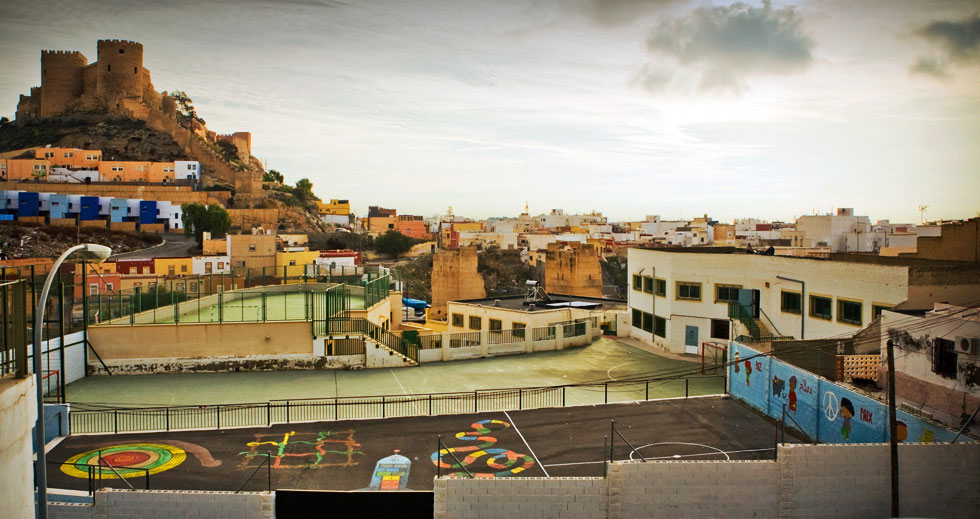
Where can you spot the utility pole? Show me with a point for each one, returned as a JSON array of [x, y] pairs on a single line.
[[892, 427]]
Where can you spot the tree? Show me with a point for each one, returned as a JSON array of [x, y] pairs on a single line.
[[186, 106], [393, 243], [304, 191], [273, 176], [199, 219]]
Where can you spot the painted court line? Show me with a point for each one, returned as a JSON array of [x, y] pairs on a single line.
[[660, 457], [405, 391], [514, 425]]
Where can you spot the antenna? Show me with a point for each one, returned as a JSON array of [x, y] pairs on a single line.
[[922, 213]]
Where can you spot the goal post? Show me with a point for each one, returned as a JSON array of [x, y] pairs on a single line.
[[714, 355]]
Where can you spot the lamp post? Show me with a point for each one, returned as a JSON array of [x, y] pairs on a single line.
[[99, 253]]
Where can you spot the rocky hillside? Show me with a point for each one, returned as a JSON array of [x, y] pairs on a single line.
[[119, 139], [37, 241]]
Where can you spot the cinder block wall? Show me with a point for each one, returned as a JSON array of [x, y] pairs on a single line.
[[166, 504], [818, 481], [520, 497]]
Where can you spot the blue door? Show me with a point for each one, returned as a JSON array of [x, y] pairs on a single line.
[[691, 339]]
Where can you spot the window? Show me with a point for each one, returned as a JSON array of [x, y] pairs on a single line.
[[251, 247], [221, 265], [821, 307], [647, 322], [519, 330], [719, 329], [791, 302], [877, 309], [183, 268], [241, 264], [661, 288], [659, 326], [180, 286], [207, 268], [193, 287], [496, 325], [637, 282], [944, 358], [458, 320], [93, 289], [141, 168], [137, 284], [108, 287], [475, 322], [726, 293], [689, 291], [292, 263], [170, 270], [637, 318], [648, 284], [849, 312]]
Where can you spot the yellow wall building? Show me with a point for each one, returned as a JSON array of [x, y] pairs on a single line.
[[173, 266], [293, 263], [334, 207]]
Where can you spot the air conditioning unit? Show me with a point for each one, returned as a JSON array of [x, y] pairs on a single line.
[[968, 345]]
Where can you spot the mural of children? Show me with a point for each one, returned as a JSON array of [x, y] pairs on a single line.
[[737, 362], [748, 373], [901, 431], [846, 413], [792, 393]]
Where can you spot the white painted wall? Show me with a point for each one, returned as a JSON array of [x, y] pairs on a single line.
[[18, 413]]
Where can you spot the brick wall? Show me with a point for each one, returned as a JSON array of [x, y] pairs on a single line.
[[937, 480]]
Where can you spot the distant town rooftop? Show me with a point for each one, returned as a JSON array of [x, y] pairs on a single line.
[[554, 302], [851, 257]]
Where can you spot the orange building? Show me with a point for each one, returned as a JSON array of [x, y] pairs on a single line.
[[72, 158], [24, 169], [411, 225], [136, 171]]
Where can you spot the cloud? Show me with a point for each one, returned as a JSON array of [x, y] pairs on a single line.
[[727, 44], [954, 42], [616, 12]]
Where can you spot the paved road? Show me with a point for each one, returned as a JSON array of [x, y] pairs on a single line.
[[343, 455], [176, 245]]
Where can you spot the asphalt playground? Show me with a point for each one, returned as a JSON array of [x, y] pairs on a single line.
[[402, 453]]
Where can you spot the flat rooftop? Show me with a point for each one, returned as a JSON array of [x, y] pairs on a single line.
[[554, 302], [849, 257]]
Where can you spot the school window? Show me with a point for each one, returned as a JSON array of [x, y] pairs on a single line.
[[637, 282], [877, 309], [821, 307], [475, 322], [193, 287], [944, 358], [458, 320], [108, 287], [137, 284], [647, 322], [180, 286], [241, 264], [292, 263], [659, 326], [496, 325], [141, 169], [688, 291], [791, 302], [726, 293], [221, 265], [637, 318], [661, 287], [719, 329], [849, 312], [93, 289], [519, 330], [648, 284]]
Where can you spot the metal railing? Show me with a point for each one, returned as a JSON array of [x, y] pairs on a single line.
[[545, 333], [93, 419], [369, 330], [744, 314]]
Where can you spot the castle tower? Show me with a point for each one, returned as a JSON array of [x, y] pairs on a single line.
[[120, 68], [61, 80], [572, 268], [454, 277]]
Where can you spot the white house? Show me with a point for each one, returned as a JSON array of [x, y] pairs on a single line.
[[187, 170]]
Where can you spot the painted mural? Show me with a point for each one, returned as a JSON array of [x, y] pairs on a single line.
[[125, 460], [825, 411], [502, 462], [294, 450]]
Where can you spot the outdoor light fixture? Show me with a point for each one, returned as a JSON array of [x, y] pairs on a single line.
[[98, 254]]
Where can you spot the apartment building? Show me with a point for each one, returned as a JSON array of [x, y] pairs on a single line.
[[682, 297]]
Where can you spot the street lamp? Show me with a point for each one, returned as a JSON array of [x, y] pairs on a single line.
[[98, 253]]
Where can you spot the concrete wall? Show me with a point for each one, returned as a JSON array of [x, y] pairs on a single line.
[[818, 481], [202, 340], [17, 415], [166, 504]]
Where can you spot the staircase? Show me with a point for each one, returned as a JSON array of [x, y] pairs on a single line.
[[372, 333]]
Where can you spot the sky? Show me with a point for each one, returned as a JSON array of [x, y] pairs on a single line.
[[628, 107]]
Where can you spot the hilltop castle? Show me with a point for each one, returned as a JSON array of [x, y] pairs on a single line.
[[119, 85]]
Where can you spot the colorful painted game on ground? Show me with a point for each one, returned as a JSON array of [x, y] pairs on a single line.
[[303, 450], [505, 462], [126, 460], [391, 473]]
